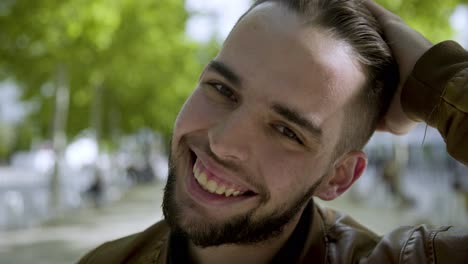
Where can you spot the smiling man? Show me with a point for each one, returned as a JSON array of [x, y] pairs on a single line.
[[278, 117]]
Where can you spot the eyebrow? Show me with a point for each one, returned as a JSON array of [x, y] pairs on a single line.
[[225, 71], [293, 116]]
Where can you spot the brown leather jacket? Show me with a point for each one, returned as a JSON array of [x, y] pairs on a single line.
[[322, 236], [437, 93]]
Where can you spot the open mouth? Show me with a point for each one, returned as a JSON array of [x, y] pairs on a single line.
[[214, 187]]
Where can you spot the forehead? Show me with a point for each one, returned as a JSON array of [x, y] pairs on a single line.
[[272, 48]]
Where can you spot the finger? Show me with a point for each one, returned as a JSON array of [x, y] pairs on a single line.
[[379, 11], [401, 128], [381, 125]]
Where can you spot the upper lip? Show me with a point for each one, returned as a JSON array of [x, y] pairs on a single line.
[[220, 172]]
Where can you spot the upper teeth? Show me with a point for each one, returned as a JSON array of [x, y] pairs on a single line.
[[212, 186]]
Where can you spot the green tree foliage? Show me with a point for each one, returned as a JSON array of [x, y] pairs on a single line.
[[126, 64], [429, 17]]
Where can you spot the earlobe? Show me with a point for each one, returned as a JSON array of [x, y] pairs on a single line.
[[344, 173]]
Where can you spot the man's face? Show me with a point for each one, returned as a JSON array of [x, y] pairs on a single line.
[[256, 136]]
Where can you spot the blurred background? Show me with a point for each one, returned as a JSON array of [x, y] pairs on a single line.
[[89, 91]]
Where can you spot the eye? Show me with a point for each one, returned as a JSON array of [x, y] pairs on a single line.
[[223, 90], [288, 133]]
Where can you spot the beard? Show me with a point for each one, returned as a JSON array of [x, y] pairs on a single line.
[[239, 230]]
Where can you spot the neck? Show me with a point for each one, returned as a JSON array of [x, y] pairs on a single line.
[[262, 252]]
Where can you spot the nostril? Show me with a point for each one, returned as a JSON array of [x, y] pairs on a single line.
[[229, 144]]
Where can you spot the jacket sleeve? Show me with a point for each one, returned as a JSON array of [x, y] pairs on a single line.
[[451, 246], [437, 93], [421, 244]]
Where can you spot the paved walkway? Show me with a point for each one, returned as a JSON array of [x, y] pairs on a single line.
[[66, 239]]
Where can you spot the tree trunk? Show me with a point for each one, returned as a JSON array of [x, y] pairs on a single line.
[[96, 111], [59, 140], [98, 184]]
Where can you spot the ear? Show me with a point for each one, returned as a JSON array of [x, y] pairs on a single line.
[[343, 174]]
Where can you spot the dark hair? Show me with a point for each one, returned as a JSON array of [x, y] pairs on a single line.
[[352, 22]]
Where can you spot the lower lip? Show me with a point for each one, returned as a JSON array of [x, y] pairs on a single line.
[[204, 197]]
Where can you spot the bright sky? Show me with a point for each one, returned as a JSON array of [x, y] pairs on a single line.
[[217, 16], [459, 21], [11, 111]]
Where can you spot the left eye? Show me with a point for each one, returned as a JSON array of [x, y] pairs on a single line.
[[287, 132], [224, 91]]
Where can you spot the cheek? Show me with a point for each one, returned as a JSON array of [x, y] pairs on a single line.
[[195, 114], [291, 174]]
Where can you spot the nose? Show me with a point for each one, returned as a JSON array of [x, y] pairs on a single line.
[[231, 138]]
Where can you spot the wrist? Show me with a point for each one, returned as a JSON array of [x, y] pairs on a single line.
[[422, 91]]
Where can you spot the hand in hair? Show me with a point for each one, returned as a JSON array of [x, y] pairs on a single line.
[[407, 46]]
